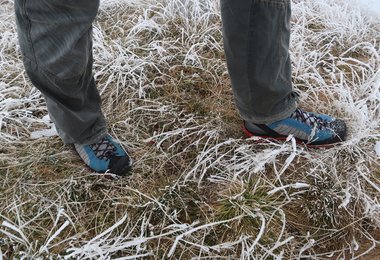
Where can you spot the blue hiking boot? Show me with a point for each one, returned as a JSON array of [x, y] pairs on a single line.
[[107, 155], [308, 128]]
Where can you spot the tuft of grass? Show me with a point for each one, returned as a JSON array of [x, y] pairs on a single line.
[[262, 211]]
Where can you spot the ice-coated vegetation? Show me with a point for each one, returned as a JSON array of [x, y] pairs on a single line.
[[199, 189]]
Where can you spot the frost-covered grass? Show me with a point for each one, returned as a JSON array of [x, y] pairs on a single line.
[[199, 189]]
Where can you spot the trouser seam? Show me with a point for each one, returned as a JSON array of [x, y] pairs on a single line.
[[249, 48], [28, 31]]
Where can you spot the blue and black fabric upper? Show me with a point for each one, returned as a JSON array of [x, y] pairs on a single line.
[[107, 155], [306, 127]]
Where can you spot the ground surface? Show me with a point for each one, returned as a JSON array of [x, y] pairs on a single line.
[[199, 189]]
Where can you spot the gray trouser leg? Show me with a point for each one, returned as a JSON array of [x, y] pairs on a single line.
[[55, 37], [256, 39]]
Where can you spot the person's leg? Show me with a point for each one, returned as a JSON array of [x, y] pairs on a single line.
[[56, 43], [55, 37], [256, 41]]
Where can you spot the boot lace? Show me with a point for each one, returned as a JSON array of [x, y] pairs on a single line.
[[310, 119], [104, 149]]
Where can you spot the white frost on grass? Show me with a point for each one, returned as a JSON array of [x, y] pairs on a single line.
[[377, 148], [44, 133], [49, 132], [294, 186], [370, 6]]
